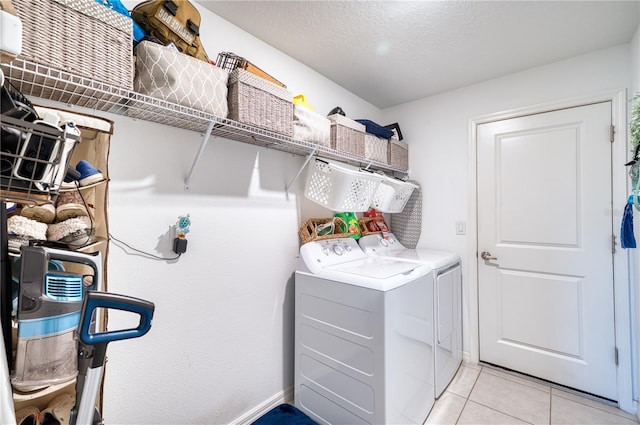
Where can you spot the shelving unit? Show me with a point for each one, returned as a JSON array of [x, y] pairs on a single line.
[[93, 147], [41, 81]]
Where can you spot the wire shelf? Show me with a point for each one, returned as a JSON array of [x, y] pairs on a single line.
[[41, 81]]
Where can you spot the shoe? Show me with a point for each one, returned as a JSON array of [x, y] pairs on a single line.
[[27, 416], [88, 174], [75, 232], [45, 213], [70, 204], [58, 411], [21, 230]]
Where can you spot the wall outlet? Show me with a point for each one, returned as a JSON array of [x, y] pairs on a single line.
[[461, 227]]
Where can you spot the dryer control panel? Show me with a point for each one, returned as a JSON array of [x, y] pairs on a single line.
[[329, 252], [381, 244]]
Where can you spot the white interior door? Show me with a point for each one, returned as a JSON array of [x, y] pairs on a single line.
[[546, 302]]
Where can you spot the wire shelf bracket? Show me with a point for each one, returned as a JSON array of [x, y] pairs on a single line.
[[306, 161], [203, 144]]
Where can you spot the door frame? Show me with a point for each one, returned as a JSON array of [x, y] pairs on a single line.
[[621, 260]]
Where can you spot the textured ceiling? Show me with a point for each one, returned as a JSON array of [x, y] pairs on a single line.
[[392, 52]]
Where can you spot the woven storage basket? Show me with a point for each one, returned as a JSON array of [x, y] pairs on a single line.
[[392, 195], [376, 148], [339, 188], [347, 135], [398, 154], [78, 36], [308, 233], [366, 221], [258, 102], [163, 73]]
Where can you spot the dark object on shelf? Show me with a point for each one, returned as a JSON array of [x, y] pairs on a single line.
[[16, 105], [376, 129], [337, 110], [230, 61], [395, 127], [172, 22]]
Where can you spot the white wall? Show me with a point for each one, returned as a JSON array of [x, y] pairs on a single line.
[[437, 131], [222, 336]]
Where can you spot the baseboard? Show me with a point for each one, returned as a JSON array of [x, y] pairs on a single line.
[[285, 396]]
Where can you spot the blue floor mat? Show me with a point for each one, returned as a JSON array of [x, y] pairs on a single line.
[[284, 414]]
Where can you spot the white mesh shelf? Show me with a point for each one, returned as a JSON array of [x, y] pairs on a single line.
[[43, 82]]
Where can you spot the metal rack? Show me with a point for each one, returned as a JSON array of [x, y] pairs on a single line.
[[41, 81]]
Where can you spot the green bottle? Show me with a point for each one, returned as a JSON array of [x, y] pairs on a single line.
[[353, 228]]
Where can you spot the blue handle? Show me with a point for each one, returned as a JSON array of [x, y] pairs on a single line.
[[95, 299]]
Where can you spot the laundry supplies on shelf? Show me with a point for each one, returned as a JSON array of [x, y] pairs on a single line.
[[351, 226]]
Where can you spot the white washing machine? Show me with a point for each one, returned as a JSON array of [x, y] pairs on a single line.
[[363, 336], [447, 299]]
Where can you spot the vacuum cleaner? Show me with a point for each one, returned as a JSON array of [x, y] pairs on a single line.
[[49, 306], [93, 348]]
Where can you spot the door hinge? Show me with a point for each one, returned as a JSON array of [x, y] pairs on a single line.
[[612, 132], [613, 244], [616, 355]]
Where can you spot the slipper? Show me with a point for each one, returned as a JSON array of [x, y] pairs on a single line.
[[27, 416], [58, 412]]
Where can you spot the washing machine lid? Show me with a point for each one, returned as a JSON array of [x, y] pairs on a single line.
[[342, 260], [387, 245], [376, 268]]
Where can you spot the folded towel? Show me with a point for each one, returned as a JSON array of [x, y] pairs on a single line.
[[376, 129], [627, 237]]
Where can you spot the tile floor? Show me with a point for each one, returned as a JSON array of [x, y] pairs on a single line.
[[482, 395]]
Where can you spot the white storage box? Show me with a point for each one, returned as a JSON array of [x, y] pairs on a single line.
[[310, 126], [165, 74], [392, 195], [339, 188], [375, 148], [347, 135]]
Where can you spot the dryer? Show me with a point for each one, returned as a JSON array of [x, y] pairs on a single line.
[[363, 336], [447, 299]]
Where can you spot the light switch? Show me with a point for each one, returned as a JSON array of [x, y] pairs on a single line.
[[461, 227]]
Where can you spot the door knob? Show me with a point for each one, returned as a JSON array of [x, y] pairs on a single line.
[[486, 255]]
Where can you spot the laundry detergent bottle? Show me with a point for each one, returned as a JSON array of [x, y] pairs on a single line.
[[353, 228]]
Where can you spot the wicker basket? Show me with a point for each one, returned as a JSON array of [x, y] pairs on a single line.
[[365, 222], [257, 102], [376, 148], [347, 135], [398, 154], [308, 231], [82, 37]]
